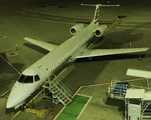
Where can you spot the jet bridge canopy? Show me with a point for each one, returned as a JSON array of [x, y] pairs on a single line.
[[138, 73], [135, 93]]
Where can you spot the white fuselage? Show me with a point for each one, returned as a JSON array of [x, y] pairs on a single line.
[[66, 51], [47, 65]]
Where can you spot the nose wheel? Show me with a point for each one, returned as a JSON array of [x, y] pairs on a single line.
[[23, 107]]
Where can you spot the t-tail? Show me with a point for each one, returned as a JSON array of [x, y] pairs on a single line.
[[96, 17]]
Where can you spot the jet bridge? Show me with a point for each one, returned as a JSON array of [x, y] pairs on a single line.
[[146, 100], [137, 98]]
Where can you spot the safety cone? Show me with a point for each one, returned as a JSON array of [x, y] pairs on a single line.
[[130, 45], [139, 57], [17, 47]]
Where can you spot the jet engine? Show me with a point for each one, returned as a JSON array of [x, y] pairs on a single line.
[[76, 28], [100, 30]]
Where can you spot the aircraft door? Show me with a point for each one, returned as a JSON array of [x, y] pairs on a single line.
[[43, 73]]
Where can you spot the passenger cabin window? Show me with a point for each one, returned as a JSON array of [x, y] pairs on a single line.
[[37, 77], [25, 79]]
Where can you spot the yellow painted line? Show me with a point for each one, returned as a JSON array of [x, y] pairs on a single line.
[[12, 54], [106, 31], [15, 115], [10, 64], [38, 94], [39, 113], [5, 93], [34, 97], [63, 71], [112, 25]]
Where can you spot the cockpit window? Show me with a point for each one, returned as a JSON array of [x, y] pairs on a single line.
[[25, 79], [37, 77]]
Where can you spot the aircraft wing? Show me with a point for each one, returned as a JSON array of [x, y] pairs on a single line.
[[42, 44], [103, 52]]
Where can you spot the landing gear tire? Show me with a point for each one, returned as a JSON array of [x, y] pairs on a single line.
[[23, 107]]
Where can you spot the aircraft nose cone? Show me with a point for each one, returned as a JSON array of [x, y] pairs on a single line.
[[20, 92]]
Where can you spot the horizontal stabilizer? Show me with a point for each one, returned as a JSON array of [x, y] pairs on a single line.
[[42, 44], [103, 52]]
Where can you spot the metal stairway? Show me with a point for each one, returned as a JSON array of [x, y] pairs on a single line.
[[146, 105], [60, 93], [117, 89]]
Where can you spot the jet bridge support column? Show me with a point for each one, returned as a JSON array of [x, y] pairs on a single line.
[[146, 106], [133, 104]]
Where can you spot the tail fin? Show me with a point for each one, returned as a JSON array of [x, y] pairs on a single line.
[[95, 20], [96, 15]]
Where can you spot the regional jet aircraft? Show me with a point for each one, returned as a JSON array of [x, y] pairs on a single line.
[[73, 48]]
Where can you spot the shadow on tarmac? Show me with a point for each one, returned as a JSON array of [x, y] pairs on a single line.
[[116, 102], [36, 48]]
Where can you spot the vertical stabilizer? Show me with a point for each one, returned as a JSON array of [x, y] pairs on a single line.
[[95, 20], [96, 17]]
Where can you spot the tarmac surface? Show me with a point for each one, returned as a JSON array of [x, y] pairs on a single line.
[[51, 23]]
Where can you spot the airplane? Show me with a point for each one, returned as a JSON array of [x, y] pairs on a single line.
[[75, 47]]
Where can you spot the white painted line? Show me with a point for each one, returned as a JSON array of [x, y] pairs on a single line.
[[17, 11], [134, 21], [125, 24], [59, 113], [97, 84], [29, 10], [23, 13], [59, 15], [49, 20], [54, 18], [133, 28], [84, 108], [107, 19], [82, 21], [35, 15]]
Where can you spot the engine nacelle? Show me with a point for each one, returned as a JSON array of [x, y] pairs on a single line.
[[100, 30], [76, 28]]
